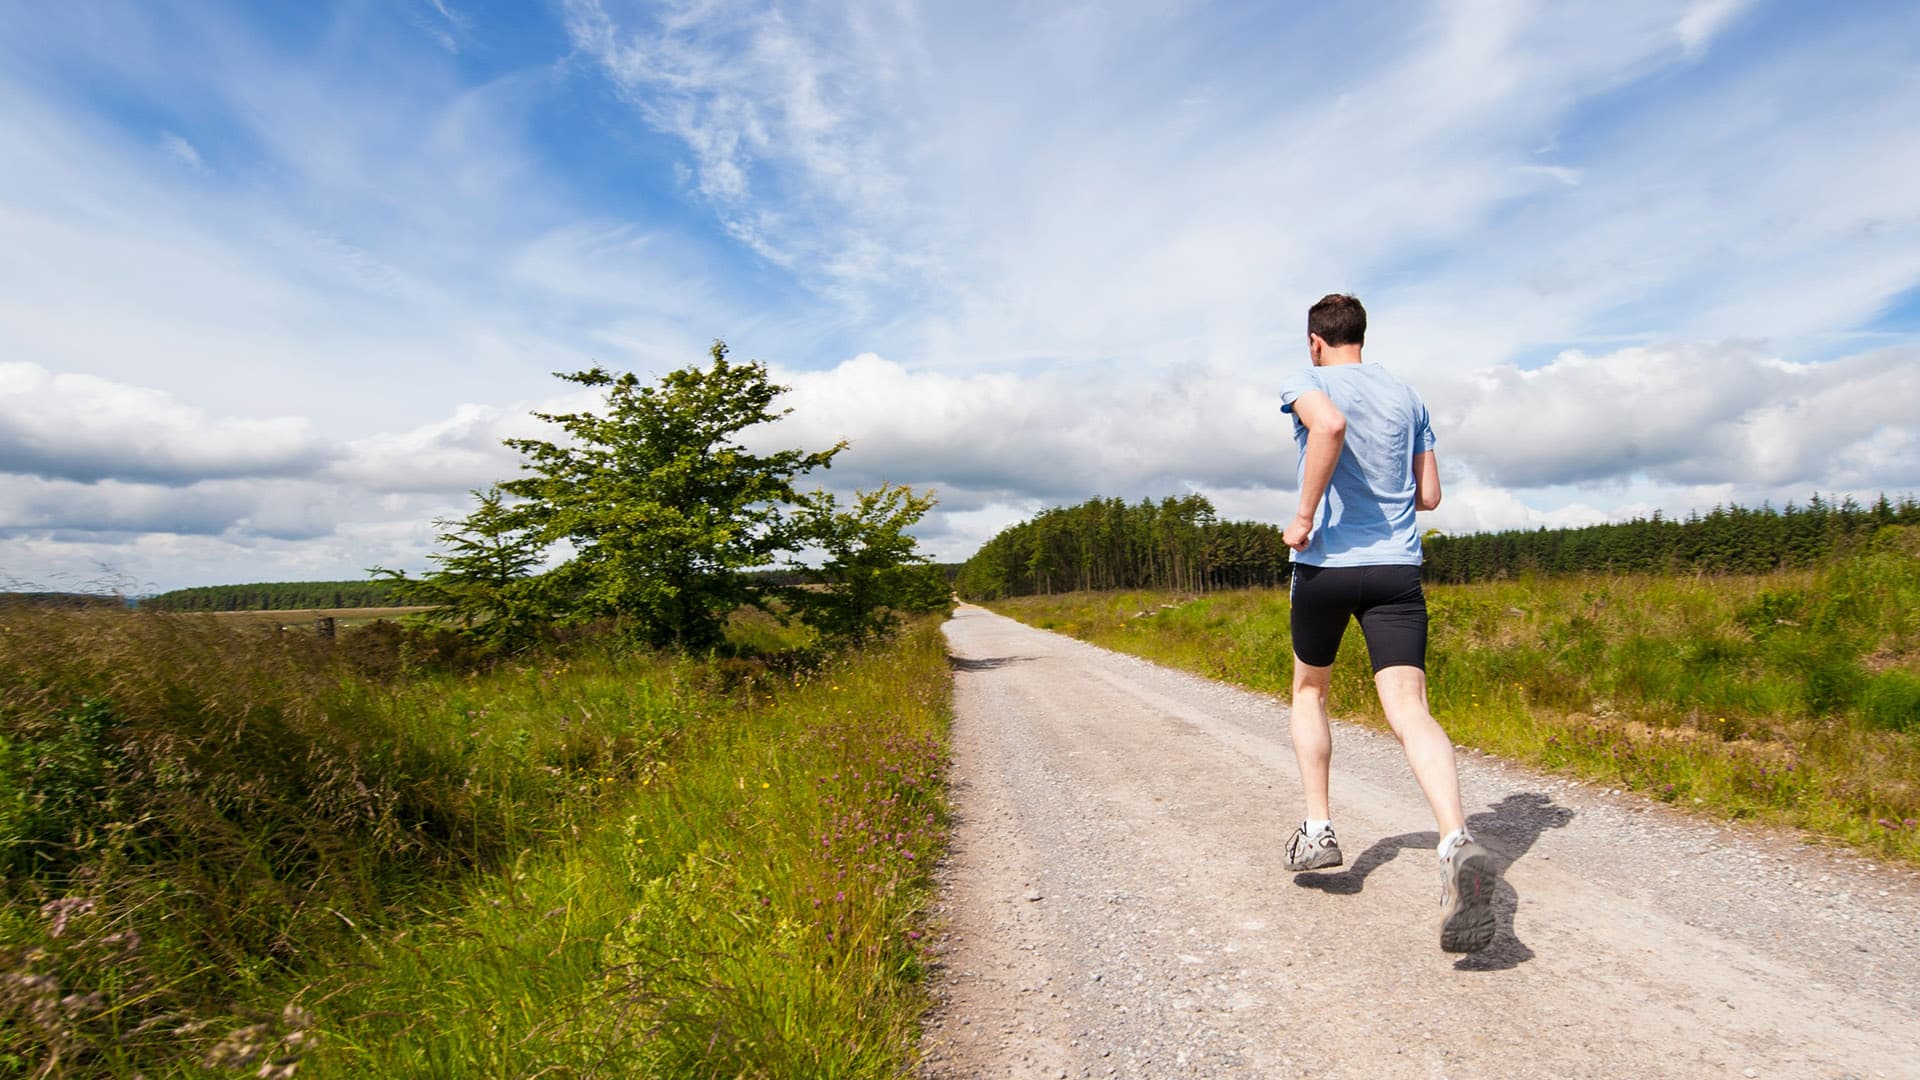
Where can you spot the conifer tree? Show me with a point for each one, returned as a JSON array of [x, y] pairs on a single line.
[[483, 579]]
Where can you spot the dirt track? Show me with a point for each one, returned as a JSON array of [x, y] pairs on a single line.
[[1115, 906]]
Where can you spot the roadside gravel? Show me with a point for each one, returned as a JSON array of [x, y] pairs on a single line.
[[1115, 905]]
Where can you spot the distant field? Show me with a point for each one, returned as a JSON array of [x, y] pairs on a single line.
[[342, 617]]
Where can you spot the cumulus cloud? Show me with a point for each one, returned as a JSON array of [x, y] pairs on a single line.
[[1687, 416], [85, 428], [460, 453], [1063, 433], [1582, 439], [114, 511]]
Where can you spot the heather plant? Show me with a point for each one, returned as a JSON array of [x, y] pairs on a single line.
[[1792, 697]]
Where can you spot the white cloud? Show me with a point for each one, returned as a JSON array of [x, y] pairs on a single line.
[[1689, 416], [446, 26], [1704, 20], [1569, 177], [115, 512], [1059, 434], [778, 108], [461, 453], [182, 151], [81, 427]]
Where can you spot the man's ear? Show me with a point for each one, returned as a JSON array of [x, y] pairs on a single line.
[[1315, 343]]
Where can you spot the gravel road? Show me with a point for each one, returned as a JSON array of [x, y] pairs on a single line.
[[1115, 905]]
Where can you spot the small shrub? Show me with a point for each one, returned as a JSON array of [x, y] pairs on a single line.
[[1831, 680], [385, 649], [1774, 608]]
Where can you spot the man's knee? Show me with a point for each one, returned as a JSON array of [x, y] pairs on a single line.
[[1311, 680], [1402, 688]]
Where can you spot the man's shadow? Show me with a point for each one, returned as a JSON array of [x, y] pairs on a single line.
[[1508, 830]]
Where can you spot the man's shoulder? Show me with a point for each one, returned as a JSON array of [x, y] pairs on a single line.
[[1301, 377], [1299, 381]]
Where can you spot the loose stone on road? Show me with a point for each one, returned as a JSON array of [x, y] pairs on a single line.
[[1115, 905]]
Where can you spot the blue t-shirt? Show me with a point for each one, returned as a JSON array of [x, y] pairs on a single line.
[[1366, 516]]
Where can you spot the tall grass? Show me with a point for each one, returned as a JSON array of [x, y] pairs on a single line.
[[234, 849], [1790, 697], [751, 909]]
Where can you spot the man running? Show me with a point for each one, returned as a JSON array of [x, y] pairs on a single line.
[[1366, 465]]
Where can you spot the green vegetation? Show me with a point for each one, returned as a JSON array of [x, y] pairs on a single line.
[[640, 814], [274, 596], [227, 847], [1791, 697], [665, 515], [871, 571], [1177, 544]]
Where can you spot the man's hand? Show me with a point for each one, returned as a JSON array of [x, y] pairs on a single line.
[[1298, 532]]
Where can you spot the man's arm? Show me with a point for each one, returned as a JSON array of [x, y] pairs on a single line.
[[1426, 481], [1326, 434]]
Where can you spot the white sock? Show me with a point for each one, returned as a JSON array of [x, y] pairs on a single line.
[[1316, 826], [1454, 839]]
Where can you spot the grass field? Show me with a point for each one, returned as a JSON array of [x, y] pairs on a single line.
[[304, 619], [1792, 698], [232, 850]]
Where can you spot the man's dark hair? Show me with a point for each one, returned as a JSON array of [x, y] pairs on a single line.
[[1339, 320]]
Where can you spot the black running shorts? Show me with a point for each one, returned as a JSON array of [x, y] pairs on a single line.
[[1386, 599]]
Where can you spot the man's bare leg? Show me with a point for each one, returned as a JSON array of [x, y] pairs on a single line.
[[1467, 871], [1403, 695], [1312, 737]]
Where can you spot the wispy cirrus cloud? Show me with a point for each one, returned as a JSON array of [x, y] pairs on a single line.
[[1080, 185], [1703, 20], [787, 117]]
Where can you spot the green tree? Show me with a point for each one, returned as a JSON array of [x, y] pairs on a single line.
[[484, 580], [662, 505], [873, 569]]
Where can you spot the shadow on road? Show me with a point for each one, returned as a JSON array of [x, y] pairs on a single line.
[[986, 663], [1509, 830]]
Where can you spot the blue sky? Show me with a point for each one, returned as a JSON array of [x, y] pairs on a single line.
[[276, 279]]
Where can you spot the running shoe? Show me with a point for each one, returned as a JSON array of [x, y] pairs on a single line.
[[1306, 852], [1467, 878]]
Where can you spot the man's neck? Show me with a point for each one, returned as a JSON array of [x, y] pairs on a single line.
[[1338, 355]]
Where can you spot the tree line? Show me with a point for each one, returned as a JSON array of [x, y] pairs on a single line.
[[274, 596], [1175, 543], [1178, 544], [1725, 540]]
